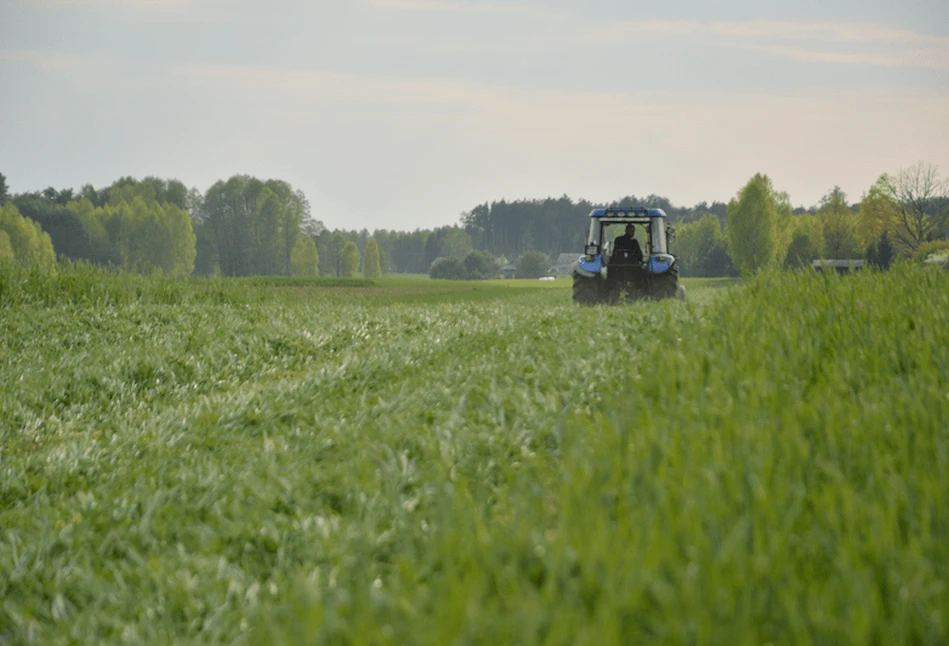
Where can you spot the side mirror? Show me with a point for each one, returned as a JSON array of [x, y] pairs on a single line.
[[590, 250], [670, 235]]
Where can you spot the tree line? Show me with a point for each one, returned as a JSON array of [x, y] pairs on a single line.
[[902, 216], [246, 226]]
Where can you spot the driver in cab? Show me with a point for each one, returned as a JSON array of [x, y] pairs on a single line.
[[626, 247]]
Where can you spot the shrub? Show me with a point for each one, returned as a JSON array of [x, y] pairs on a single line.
[[447, 268], [480, 265], [477, 265], [533, 264], [349, 261]]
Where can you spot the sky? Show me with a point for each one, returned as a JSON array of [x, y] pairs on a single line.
[[403, 114]]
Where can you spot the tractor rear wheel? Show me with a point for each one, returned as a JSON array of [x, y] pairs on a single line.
[[666, 285], [586, 291]]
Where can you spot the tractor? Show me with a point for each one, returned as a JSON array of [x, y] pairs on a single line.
[[610, 272]]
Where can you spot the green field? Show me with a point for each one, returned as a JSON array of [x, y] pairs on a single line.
[[405, 461]]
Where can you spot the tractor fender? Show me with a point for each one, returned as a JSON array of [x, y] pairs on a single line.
[[589, 268], [660, 263]]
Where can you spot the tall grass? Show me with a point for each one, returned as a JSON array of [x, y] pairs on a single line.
[[765, 466], [81, 283]]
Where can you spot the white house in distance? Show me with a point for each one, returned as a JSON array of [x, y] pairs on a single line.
[[564, 264]]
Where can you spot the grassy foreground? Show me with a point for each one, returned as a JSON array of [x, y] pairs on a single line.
[[412, 463]]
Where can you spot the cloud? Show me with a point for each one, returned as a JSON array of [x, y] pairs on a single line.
[[190, 11], [54, 62], [825, 42], [528, 141], [109, 4], [842, 43], [441, 6], [332, 87]]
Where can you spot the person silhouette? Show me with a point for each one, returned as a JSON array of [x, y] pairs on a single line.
[[627, 246]]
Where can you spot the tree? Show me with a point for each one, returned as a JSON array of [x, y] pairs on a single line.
[[29, 244], [838, 225], [150, 189], [480, 265], [532, 264], [6, 248], [254, 224], [448, 268], [337, 244], [805, 245], [4, 194], [70, 236], [383, 262], [880, 253], [138, 235], [477, 265], [305, 259], [182, 241], [101, 250], [921, 205], [349, 260], [758, 226], [878, 213], [701, 248], [292, 212], [455, 243], [371, 267], [433, 249], [408, 252]]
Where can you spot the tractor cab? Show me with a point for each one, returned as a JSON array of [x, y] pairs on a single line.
[[606, 225], [611, 264]]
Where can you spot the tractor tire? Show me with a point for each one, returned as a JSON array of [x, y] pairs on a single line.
[[666, 285], [586, 291]]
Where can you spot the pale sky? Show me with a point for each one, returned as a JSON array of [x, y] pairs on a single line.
[[401, 114]]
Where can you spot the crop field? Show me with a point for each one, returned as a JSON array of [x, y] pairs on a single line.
[[405, 461]]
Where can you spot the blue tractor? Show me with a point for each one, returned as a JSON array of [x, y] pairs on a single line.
[[636, 265]]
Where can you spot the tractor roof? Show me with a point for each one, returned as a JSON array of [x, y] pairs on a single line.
[[627, 212]]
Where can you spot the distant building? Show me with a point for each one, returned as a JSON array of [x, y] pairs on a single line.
[[840, 266], [564, 264], [509, 270]]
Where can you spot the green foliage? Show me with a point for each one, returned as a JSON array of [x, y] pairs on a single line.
[[480, 265], [91, 286], [349, 260], [332, 468], [532, 264], [555, 225], [758, 226], [701, 249], [305, 259], [839, 227], [878, 212], [922, 205], [448, 269], [6, 247], [4, 194], [881, 252], [932, 249], [149, 189], [253, 225], [28, 244], [384, 266], [371, 262], [138, 236], [477, 265], [71, 236], [330, 245], [805, 246]]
